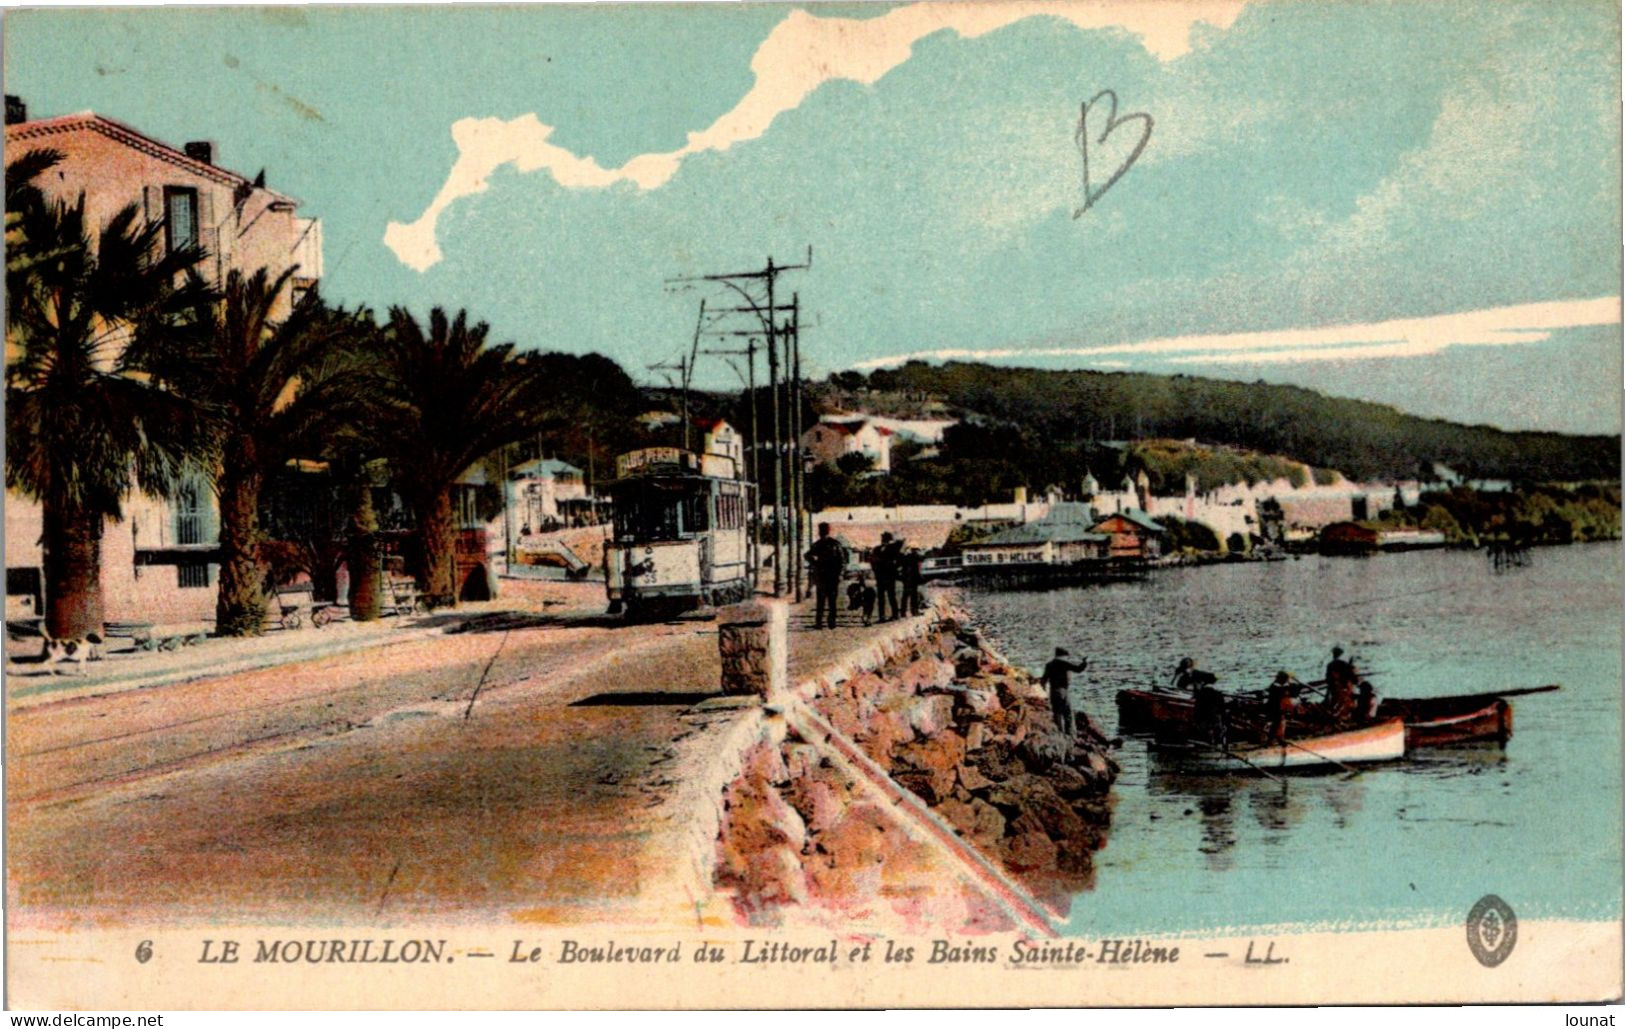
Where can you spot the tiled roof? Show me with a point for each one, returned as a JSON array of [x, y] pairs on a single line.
[[545, 466], [1042, 532], [42, 130], [1139, 518]]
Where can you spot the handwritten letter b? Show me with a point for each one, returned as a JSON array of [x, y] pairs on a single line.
[[1095, 126]]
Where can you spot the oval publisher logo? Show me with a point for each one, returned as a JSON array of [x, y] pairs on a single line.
[[1492, 930]]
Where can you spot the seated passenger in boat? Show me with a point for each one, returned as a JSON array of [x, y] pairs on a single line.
[[1278, 705], [1365, 701], [1340, 680]]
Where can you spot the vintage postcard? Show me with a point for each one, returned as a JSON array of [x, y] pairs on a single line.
[[925, 504]]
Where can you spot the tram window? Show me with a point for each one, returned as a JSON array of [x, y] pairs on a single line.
[[695, 512], [728, 512], [647, 517]]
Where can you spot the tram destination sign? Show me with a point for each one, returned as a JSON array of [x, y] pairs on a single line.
[[653, 459]]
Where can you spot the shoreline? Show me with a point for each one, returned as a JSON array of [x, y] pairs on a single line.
[[920, 784]]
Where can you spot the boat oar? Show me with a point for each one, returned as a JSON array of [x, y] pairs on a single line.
[[1226, 752], [1525, 691], [1350, 769], [1312, 753]]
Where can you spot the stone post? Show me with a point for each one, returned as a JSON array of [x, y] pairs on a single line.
[[753, 642]]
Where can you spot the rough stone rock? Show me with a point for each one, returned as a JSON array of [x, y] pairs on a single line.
[[776, 876], [980, 821], [929, 767], [972, 704], [975, 735], [884, 730], [1069, 782], [1031, 796], [930, 714], [967, 662], [1055, 815], [765, 763], [800, 760], [1102, 768], [759, 821], [1076, 859], [971, 778], [1012, 725], [1029, 852], [997, 760], [926, 674], [843, 717], [863, 837], [1041, 751], [865, 687], [820, 802]]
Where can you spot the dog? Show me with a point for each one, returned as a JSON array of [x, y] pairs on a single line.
[[79, 650]]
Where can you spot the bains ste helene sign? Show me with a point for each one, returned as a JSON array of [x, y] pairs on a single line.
[[1154, 350]]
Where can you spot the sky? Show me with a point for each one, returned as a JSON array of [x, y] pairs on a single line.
[[1411, 203]]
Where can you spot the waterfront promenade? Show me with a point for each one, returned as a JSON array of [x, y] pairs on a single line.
[[525, 768]]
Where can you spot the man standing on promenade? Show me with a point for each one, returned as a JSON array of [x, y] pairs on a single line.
[[1058, 677], [826, 560], [911, 571], [885, 560]]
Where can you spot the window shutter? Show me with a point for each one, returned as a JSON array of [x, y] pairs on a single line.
[[209, 235]]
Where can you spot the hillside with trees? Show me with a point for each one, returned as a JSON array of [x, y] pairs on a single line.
[[1039, 417]]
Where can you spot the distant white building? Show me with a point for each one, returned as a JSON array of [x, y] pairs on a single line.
[[834, 437], [546, 492]]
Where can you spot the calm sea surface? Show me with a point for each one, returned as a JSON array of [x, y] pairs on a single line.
[[1413, 843]]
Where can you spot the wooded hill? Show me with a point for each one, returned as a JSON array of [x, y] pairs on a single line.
[[1041, 410]]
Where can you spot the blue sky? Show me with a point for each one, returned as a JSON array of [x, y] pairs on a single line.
[[1411, 203]]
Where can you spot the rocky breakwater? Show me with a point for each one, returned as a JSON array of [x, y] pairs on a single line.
[[945, 717]]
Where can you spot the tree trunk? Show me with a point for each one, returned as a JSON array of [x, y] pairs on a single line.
[[73, 571], [363, 556], [239, 608], [437, 532]]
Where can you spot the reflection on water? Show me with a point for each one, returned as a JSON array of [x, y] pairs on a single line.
[[1412, 841]]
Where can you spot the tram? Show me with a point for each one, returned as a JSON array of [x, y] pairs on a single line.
[[681, 536]]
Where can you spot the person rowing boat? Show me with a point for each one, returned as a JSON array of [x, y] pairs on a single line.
[[1188, 678]]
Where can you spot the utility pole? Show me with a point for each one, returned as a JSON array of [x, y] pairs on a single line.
[[748, 380], [798, 470], [755, 287], [778, 467], [680, 383]]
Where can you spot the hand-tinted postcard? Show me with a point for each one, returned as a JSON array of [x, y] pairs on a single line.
[[1016, 504]]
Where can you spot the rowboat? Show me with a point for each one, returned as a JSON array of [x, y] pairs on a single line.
[[1443, 721], [1379, 741], [1429, 721], [1144, 711]]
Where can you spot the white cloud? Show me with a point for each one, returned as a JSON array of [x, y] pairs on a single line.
[[1398, 338], [803, 52]]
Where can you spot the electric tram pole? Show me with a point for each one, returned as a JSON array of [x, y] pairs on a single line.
[[786, 416]]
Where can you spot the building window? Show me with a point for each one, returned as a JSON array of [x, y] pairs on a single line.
[[180, 217], [191, 514], [192, 576]]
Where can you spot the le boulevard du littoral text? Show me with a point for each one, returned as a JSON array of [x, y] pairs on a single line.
[[373, 950]]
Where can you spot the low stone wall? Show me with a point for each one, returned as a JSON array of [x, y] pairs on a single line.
[[949, 720]]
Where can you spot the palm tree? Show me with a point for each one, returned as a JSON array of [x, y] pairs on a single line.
[[457, 400], [83, 421], [270, 391], [23, 195]]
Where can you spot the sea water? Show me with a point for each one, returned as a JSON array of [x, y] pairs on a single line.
[[1412, 843]]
